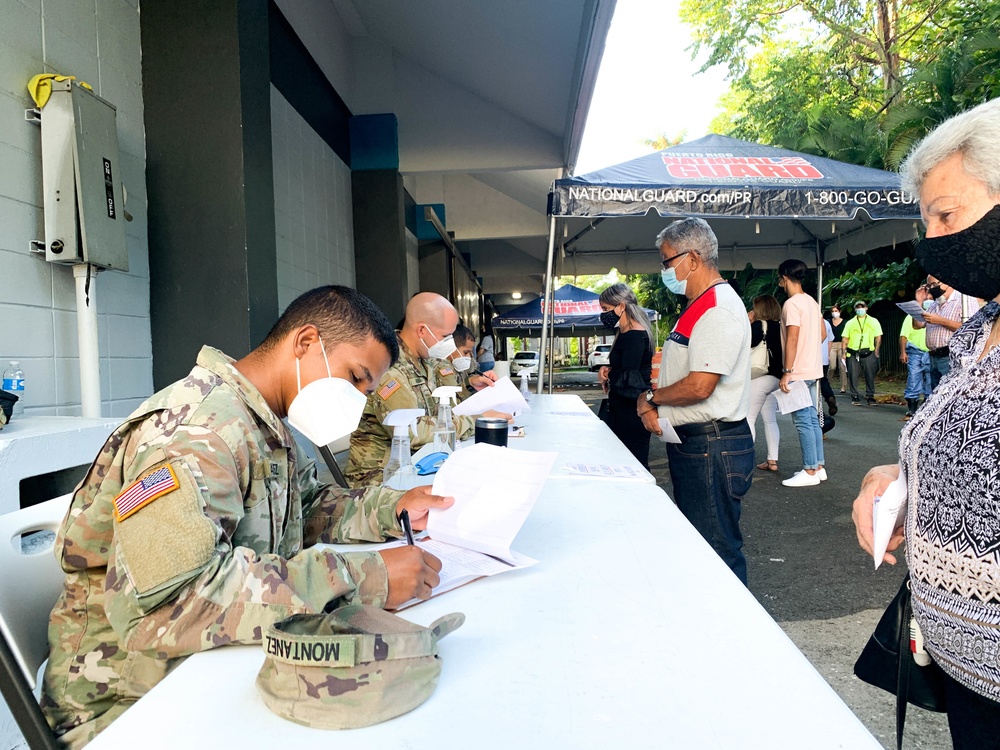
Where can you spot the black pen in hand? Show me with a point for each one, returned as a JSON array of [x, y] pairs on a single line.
[[404, 521]]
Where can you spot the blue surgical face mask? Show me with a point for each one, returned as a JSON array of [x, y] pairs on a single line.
[[672, 283], [928, 304]]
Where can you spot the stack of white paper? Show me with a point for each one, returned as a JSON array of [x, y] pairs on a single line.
[[669, 434], [889, 514], [502, 396], [912, 308], [458, 565], [798, 397], [494, 489]]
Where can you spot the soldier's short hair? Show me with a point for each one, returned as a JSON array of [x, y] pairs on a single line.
[[463, 335], [342, 315]]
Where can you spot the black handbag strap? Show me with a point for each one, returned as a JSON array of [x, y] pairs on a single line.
[[905, 661]]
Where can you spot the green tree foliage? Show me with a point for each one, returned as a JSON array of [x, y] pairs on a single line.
[[965, 72], [591, 282], [754, 282], [893, 282], [869, 35], [761, 105], [859, 81]]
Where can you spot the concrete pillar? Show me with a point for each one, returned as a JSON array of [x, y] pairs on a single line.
[[212, 257], [379, 214]]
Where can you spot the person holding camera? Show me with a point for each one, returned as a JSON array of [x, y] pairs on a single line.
[[862, 338]]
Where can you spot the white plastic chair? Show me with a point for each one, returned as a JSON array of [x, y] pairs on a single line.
[[30, 584]]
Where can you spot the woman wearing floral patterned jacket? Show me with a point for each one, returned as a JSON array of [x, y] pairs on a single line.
[[950, 450]]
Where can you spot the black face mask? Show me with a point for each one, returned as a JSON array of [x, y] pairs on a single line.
[[968, 260], [609, 319], [935, 291]]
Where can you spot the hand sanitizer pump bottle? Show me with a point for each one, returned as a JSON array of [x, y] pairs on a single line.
[[399, 472], [444, 425], [525, 389]]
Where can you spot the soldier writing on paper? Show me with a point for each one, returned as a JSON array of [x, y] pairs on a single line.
[[426, 340], [194, 527]]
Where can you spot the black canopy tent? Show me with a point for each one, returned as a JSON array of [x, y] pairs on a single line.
[[764, 204]]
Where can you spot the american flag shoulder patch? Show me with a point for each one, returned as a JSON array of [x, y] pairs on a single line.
[[446, 371], [142, 492], [388, 389]]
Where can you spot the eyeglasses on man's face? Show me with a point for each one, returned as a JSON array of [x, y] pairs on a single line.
[[666, 262]]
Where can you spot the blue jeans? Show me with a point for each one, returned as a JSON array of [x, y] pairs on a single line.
[[918, 373], [806, 422], [940, 366], [711, 474]]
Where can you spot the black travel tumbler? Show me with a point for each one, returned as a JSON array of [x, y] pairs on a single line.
[[492, 430]]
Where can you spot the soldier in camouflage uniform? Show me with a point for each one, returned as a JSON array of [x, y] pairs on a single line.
[[468, 378], [194, 526], [430, 320]]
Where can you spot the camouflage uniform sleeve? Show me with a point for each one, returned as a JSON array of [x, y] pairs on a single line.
[[467, 389], [422, 432], [176, 584], [371, 443], [333, 515], [362, 515]]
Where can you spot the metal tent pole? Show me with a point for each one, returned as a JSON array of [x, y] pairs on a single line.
[[819, 277], [552, 345], [819, 301], [547, 304]]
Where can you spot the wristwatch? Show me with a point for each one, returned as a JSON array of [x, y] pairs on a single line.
[[649, 396], [786, 371]]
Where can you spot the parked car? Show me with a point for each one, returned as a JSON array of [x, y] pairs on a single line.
[[524, 361], [599, 357]]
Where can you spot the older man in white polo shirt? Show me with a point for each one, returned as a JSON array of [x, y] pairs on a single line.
[[704, 391]]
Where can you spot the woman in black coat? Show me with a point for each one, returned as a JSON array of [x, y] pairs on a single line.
[[627, 375]]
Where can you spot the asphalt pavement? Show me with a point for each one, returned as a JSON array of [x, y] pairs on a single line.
[[804, 563]]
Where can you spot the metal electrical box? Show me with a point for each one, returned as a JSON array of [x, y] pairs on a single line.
[[81, 179]]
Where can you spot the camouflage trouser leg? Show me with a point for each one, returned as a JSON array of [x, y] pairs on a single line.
[[79, 736]]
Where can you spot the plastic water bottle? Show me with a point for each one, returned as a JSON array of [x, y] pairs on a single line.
[[525, 389], [399, 472], [13, 382], [444, 425]]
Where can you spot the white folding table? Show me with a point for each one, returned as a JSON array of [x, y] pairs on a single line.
[[630, 632]]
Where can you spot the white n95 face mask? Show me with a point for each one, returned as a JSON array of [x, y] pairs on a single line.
[[441, 348], [461, 364], [327, 409]]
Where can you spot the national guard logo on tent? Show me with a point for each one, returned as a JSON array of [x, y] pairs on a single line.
[[144, 491], [388, 389]]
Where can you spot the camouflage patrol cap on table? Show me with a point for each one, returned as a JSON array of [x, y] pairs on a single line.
[[353, 667]]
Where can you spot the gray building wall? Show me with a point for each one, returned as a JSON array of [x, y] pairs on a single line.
[[98, 42], [312, 207]]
